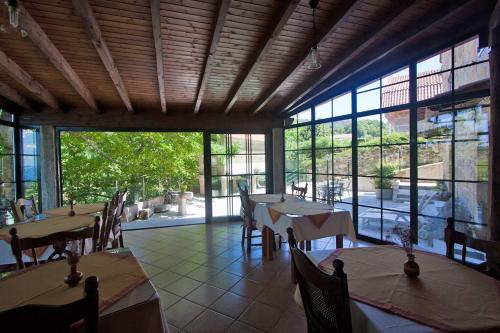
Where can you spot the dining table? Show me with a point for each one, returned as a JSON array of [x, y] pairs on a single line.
[[275, 213], [446, 297], [128, 301]]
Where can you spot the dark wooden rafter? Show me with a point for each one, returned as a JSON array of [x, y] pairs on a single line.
[[328, 77], [155, 20], [13, 96], [24, 79], [341, 14], [43, 42], [219, 24], [84, 10], [286, 11]]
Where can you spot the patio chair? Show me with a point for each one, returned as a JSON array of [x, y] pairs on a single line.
[[117, 224], [325, 297], [108, 222], [299, 192], [490, 266], [50, 318], [249, 223]]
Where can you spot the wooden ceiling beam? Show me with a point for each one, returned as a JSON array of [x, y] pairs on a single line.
[[12, 95], [84, 10], [24, 79], [219, 24], [329, 77], [43, 42], [285, 12], [155, 20], [341, 14]]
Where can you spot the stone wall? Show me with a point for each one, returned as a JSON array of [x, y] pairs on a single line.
[[48, 167]]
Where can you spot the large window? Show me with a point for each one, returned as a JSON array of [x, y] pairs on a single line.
[[368, 155]]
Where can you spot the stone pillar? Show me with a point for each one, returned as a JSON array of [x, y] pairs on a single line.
[[278, 159], [494, 154], [48, 167]]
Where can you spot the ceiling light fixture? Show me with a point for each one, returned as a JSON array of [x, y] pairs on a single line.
[[13, 8], [313, 57]]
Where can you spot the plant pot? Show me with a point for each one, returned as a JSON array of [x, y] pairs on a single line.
[[410, 267], [384, 193]]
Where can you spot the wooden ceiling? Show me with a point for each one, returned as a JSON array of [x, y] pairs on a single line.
[[209, 56]]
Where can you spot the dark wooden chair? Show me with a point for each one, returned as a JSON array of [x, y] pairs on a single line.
[[108, 222], [117, 240], [299, 192], [56, 319], [491, 248], [249, 223], [17, 213], [325, 297], [58, 240]]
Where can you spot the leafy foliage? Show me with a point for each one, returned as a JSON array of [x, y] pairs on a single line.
[[92, 162]]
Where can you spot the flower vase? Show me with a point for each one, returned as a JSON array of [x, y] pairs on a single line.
[[74, 275], [71, 211], [411, 268]]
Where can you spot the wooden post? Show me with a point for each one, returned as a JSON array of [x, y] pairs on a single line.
[[339, 239], [494, 153]]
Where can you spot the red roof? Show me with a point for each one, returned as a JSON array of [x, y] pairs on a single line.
[[398, 90]]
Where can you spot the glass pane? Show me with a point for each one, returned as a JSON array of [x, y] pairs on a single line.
[[259, 184], [433, 85], [323, 110], [342, 161], [236, 205], [291, 161], [471, 201], [434, 198], [304, 116], [7, 192], [369, 160], [431, 233], [471, 159], [7, 168], [436, 63], [289, 178], [324, 161], [469, 52], [219, 207], [258, 143], [472, 119], [396, 76], [4, 115], [239, 165], [396, 127], [366, 191], [396, 160], [219, 186], [304, 137], [305, 162], [434, 160], [219, 164], [343, 189], [369, 130], [290, 138], [30, 189], [323, 182], [29, 165], [399, 199], [369, 86], [369, 100], [324, 135], [242, 181], [395, 88], [392, 219], [306, 179], [465, 77], [238, 144], [6, 140], [342, 105], [342, 133], [29, 142], [218, 143], [369, 221], [258, 163]]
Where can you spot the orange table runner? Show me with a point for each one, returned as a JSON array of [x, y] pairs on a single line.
[[118, 275], [446, 295], [78, 209]]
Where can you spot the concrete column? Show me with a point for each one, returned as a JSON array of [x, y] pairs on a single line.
[[494, 163], [278, 159], [48, 167]]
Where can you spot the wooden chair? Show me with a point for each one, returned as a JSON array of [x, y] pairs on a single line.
[[17, 213], [491, 248], [50, 318], [299, 192], [58, 240], [108, 222], [249, 223], [117, 226], [325, 297]]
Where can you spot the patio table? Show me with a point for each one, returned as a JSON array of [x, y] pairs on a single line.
[[84, 209], [309, 220], [128, 302], [442, 298]]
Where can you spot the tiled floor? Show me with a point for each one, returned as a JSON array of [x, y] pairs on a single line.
[[207, 283]]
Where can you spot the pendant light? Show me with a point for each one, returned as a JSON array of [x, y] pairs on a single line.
[[313, 61], [13, 12]]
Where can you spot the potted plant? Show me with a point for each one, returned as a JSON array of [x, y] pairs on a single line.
[[384, 181]]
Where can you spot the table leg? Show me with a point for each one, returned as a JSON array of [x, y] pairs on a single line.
[[339, 241], [270, 236], [301, 245], [293, 272], [308, 245], [264, 241]]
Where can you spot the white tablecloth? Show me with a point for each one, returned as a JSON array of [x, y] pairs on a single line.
[[369, 319], [338, 223]]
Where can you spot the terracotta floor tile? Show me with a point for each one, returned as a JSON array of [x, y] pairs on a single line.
[[205, 295], [184, 267], [165, 278], [239, 327], [248, 288], [261, 316], [291, 323], [182, 286], [231, 305], [182, 312], [276, 297], [167, 299], [203, 273], [223, 280], [209, 322]]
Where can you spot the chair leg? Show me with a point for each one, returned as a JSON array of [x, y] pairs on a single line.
[[243, 235], [249, 240], [274, 241], [279, 245]]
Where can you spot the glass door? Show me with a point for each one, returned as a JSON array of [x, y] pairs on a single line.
[[235, 159]]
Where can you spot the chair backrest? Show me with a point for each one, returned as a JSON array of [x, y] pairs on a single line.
[[246, 205], [491, 248], [49, 318], [325, 297], [108, 221], [117, 224], [58, 240], [17, 213], [299, 192]]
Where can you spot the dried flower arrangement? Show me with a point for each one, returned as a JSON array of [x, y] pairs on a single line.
[[404, 235]]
